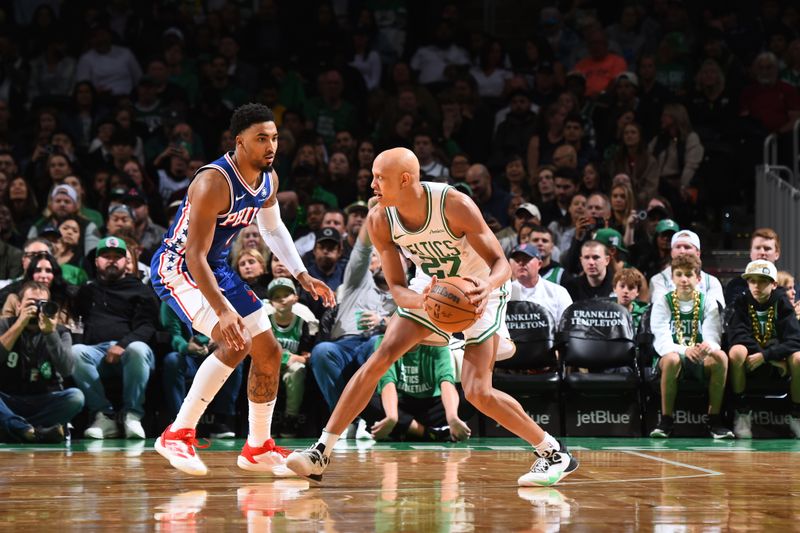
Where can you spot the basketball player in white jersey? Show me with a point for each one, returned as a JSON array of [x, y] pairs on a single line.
[[444, 233]]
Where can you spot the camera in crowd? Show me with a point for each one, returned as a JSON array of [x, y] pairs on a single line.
[[597, 223], [47, 307]]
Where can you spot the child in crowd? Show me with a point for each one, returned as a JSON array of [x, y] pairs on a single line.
[[763, 329], [630, 289], [786, 280], [687, 329], [292, 332]]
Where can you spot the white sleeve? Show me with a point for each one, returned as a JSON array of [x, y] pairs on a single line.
[[658, 287], [662, 332], [715, 291], [712, 323], [277, 237], [564, 301]]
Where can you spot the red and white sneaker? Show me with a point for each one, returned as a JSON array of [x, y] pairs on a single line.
[[178, 447], [263, 458]]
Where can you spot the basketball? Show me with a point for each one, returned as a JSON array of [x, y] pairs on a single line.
[[448, 307]]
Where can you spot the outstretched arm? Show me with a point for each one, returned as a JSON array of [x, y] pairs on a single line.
[[277, 237]]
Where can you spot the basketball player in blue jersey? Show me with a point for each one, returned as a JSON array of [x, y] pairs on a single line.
[[443, 232], [191, 274]]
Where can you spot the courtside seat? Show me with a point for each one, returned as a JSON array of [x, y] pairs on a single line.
[[601, 380], [532, 374]]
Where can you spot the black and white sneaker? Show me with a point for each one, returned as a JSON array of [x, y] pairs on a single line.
[[309, 463], [664, 428], [550, 468]]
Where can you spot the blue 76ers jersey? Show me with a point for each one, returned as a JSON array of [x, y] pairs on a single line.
[[245, 203]]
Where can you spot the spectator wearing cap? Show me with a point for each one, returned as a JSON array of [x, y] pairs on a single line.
[[430, 168], [763, 329], [88, 213], [112, 69], [355, 215], [147, 232], [365, 304], [120, 221], [526, 213], [615, 245], [296, 337], [325, 265], [600, 67], [63, 203], [491, 200], [529, 286], [515, 132], [596, 281], [765, 245], [657, 256], [566, 181], [685, 242], [119, 314]]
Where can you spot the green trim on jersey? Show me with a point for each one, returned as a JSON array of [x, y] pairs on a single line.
[[554, 275], [444, 218], [427, 218], [498, 319], [423, 322], [686, 318]]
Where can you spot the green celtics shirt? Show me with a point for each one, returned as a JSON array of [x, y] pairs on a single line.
[[419, 372], [686, 320], [294, 338]]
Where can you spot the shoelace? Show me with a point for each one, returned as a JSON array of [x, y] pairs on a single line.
[[187, 436], [541, 466]]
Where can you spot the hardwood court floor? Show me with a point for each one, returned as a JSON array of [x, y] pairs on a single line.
[[622, 485]]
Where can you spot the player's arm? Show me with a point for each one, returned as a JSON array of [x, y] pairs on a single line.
[[209, 195], [464, 218], [378, 227], [279, 240]]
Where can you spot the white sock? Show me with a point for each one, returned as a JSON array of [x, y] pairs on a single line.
[[210, 377], [328, 441], [260, 417], [549, 443]]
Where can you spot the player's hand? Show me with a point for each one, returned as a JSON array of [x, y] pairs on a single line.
[[754, 361], [372, 202], [114, 354], [459, 430], [382, 428], [479, 294], [231, 328], [705, 348], [426, 291], [317, 289]]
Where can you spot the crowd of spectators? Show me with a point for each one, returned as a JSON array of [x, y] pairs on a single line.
[[593, 142]]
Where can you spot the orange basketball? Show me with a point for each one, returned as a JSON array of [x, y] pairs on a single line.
[[448, 307]]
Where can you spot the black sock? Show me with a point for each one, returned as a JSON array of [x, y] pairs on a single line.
[[667, 420], [715, 420]]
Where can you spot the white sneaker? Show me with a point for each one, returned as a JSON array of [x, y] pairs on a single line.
[[182, 508], [362, 433], [742, 425], [794, 425], [262, 458], [133, 426], [178, 447], [104, 427], [309, 463], [549, 469]]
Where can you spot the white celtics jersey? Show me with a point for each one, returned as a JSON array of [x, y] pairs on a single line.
[[433, 248]]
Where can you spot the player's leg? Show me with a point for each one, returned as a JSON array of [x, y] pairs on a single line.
[[742, 421], [260, 453], [670, 367], [794, 393], [554, 462], [402, 334], [715, 367]]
